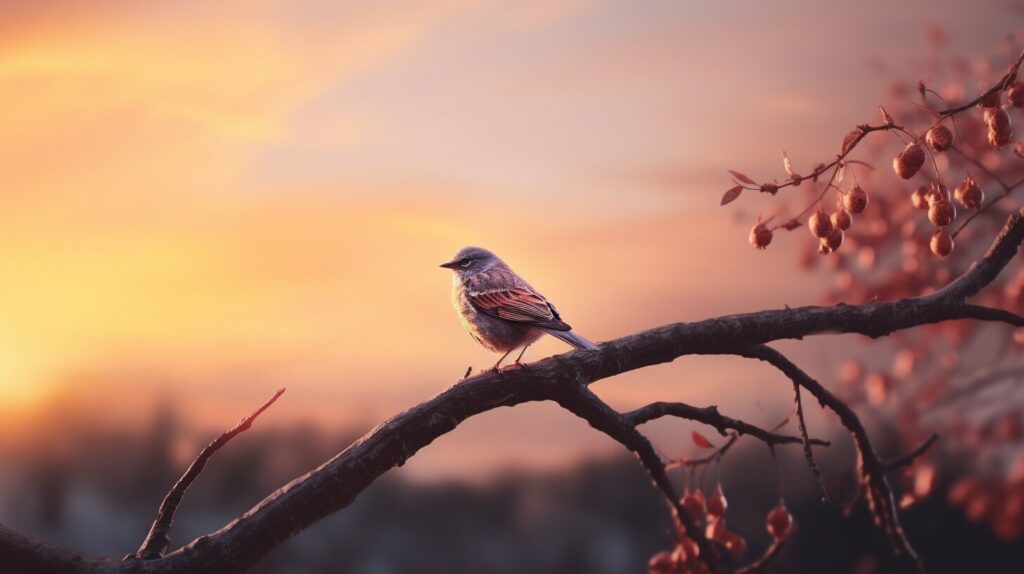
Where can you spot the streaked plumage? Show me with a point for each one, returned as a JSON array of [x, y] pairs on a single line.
[[500, 309]]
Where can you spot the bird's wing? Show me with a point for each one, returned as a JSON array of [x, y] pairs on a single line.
[[500, 293]]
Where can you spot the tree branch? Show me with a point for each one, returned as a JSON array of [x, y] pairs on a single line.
[[711, 417], [586, 405], [997, 87], [157, 539], [870, 467], [910, 457]]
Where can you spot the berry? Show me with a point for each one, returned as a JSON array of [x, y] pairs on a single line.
[[760, 236], [996, 118], [834, 239], [909, 161], [941, 212], [687, 549], [779, 522], [841, 219], [1000, 131], [819, 224], [715, 530], [969, 194], [878, 388], [1015, 95], [938, 137], [941, 243], [997, 139], [920, 198], [735, 544], [662, 563], [717, 504], [938, 193], [694, 504], [855, 200]]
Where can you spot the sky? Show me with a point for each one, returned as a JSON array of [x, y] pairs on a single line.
[[210, 201]]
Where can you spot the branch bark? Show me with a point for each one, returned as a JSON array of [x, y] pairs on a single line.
[[334, 485]]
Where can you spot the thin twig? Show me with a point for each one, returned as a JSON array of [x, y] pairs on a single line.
[[997, 87], [807, 447], [711, 417], [908, 459], [157, 539]]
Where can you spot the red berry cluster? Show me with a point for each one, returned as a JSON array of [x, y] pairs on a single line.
[[958, 164], [710, 512], [909, 162]]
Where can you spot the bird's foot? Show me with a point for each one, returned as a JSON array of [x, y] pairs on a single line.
[[513, 367]]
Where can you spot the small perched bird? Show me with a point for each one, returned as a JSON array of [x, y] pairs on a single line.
[[500, 309]]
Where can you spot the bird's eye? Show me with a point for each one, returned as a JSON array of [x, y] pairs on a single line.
[[465, 261]]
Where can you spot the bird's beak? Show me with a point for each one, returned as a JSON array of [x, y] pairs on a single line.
[[449, 265]]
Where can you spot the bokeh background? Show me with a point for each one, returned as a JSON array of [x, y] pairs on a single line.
[[203, 202]]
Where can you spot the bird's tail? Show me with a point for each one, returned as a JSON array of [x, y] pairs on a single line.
[[571, 338]]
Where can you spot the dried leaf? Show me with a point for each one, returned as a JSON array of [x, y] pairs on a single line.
[[732, 194], [701, 441], [885, 116], [791, 224], [849, 140], [742, 177], [787, 164], [840, 172]]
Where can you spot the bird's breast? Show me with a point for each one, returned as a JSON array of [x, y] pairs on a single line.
[[494, 334]]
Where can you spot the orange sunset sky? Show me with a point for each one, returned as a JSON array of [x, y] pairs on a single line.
[[211, 200]]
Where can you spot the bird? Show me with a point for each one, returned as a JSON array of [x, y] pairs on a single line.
[[500, 309]]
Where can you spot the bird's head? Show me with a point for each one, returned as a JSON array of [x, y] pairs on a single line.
[[472, 260]]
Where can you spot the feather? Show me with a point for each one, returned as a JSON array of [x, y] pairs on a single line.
[[572, 338], [500, 293]]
